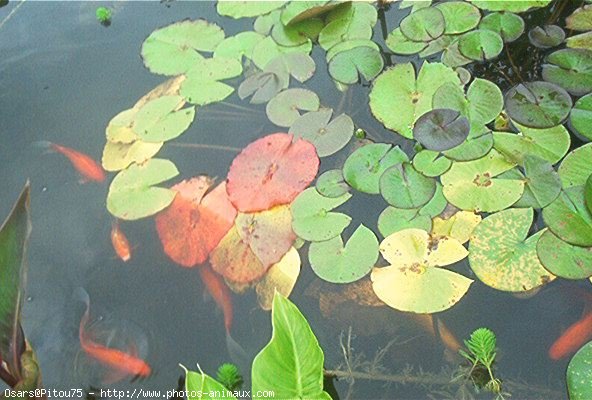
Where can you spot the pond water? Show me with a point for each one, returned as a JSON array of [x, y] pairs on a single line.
[[63, 77]]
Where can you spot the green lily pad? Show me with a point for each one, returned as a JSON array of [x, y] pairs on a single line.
[[163, 119], [452, 57], [580, 19], [174, 49], [267, 50], [263, 86], [238, 46], [242, 9], [576, 166], [282, 110], [441, 129], [423, 25], [397, 89], [202, 84], [118, 156], [431, 163], [480, 44], [538, 104], [571, 69], [473, 186], [332, 184], [438, 45], [132, 194], [546, 36], [336, 263], [400, 44], [478, 144], [348, 21], [298, 11], [569, 218], [543, 183], [579, 374], [459, 16], [345, 66], [550, 144], [327, 137], [516, 6], [403, 187], [581, 41], [364, 167], [298, 33], [311, 219], [563, 259], [503, 257], [588, 193], [508, 25]]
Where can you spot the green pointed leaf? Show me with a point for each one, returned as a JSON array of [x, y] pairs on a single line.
[[403, 187], [327, 137], [204, 385], [291, 364], [132, 194], [569, 218], [508, 25], [563, 259], [503, 257], [538, 104], [579, 374]]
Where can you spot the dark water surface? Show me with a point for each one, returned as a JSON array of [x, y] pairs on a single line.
[[63, 76]]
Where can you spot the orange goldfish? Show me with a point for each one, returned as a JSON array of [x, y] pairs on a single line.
[[573, 338], [120, 243], [88, 168], [120, 361]]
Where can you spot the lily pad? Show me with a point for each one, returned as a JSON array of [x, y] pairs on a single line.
[[480, 44], [241, 9], [543, 183], [508, 25], [580, 19], [364, 167], [441, 129], [281, 277], [459, 226], [571, 69], [298, 33], [282, 110], [538, 104], [546, 36], [263, 86], [431, 163], [423, 25], [563, 259], [403, 187], [394, 219], [346, 66], [400, 44], [332, 184], [474, 186], [581, 41], [303, 10], [459, 16], [503, 257], [576, 166], [202, 85], [327, 137], [335, 262], [132, 194], [271, 171], [579, 374], [414, 282], [348, 21], [516, 6], [163, 119], [312, 219], [569, 218], [397, 89], [478, 144], [174, 49]]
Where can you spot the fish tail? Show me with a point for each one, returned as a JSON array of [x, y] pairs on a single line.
[[237, 354], [46, 145], [81, 295]]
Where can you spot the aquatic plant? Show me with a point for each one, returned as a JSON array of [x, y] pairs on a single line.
[[482, 350], [229, 376], [103, 15]]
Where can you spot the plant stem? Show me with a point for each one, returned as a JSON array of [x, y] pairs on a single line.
[[8, 378], [206, 146]]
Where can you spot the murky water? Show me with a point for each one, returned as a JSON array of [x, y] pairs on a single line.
[[62, 78]]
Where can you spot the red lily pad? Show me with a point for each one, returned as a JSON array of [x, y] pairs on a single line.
[[193, 225], [270, 172]]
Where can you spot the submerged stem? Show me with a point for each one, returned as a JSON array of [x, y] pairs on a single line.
[[206, 146]]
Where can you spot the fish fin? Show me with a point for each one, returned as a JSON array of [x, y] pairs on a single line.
[[237, 354], [113, 376], [81, 295], [46, 145]]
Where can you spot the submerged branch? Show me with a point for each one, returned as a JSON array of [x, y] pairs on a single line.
[[206, 146]]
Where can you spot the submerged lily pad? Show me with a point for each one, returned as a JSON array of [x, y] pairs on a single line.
[[563, 259], [579, 373], [569, 218], [546, 36], [403, 187], [441, 129], [327, 137], [480, 44], [538, 104], [132, 194], [336, 263], [503, 257], [508, 25], [282, 110], [364, 167], [571, 69], [423, 25]]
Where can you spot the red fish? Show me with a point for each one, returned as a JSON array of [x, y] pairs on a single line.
[[120, 361], [573, 338], [220, 292], [88, 168], [120, 243]]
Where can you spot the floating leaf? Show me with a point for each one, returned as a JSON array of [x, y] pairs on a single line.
[[241, 9], [282, 110], [193, 225], [311, 219], [291, 364], [132, 194], [459, 226], [516, 6], [298, 33], [563, 259], [503, 257], [580, 19], [508, 25], [162, 119], [255, 242], [441, 129], [543, 183], [480, 44], [576, 166], [423, 25], [397, 89], [349, 21], [452, 57], [569, 218], [298, 11], [202, 85], [473, 186], [400, 44], [263, 86], [588, 193], [459, 16], [413, 282], [327, 137], [364, 167], [349, 45], [538, 104], [336, 263], [478, 144], [581, 41], [174, 49], [332, 184], [546, 36], [403, 187], [267, 51], [281, 277], [579, 373], [431, 163], [271, 171], [571, 69], [365, 61]]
